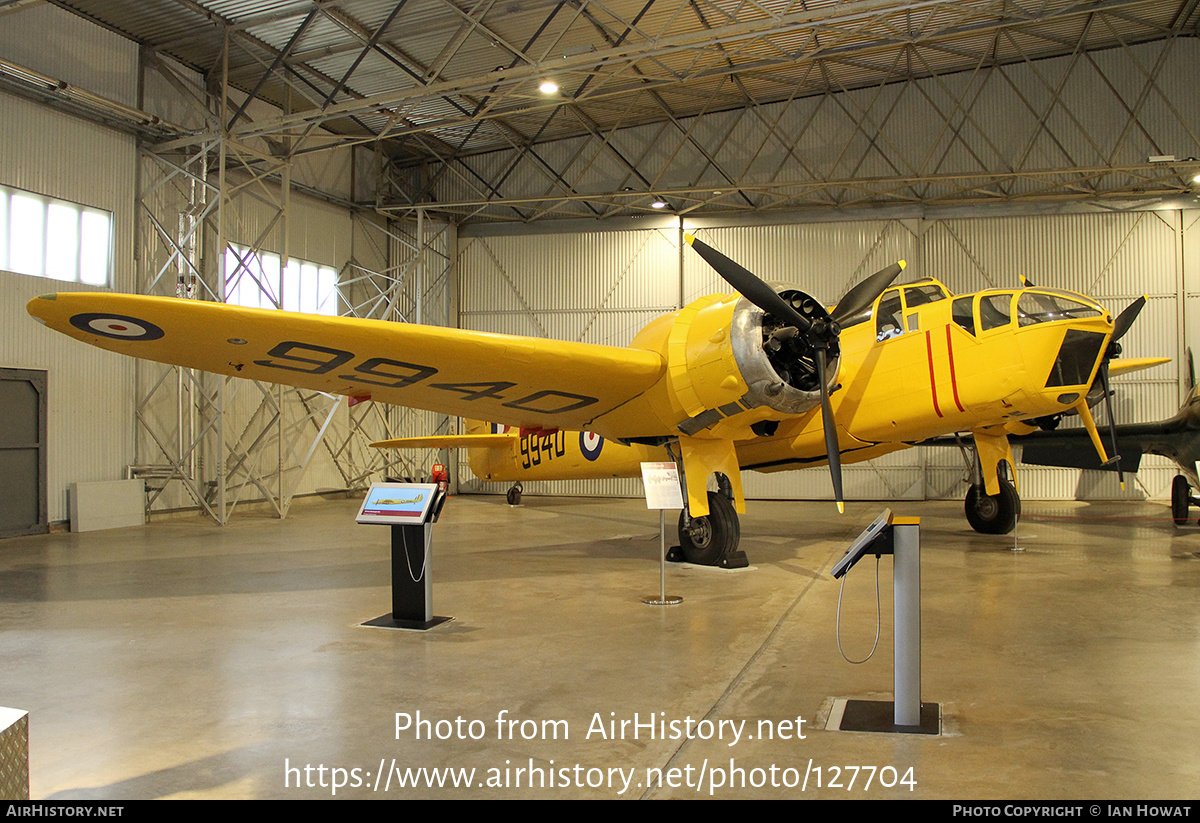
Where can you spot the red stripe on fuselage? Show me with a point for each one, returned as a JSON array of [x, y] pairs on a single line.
[[953, 378], [932, 376]]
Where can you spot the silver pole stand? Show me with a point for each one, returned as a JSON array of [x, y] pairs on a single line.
[[906, 587], [662, 599], [903, 715]]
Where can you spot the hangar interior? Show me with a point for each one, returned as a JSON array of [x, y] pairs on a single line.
[[397, 160]]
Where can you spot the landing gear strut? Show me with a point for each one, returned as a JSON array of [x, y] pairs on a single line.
[[713, 540], [993, 514]]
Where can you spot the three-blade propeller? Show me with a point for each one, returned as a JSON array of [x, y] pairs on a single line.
[[819, 332]]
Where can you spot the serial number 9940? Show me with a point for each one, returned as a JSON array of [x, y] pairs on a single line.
[[538, 447]]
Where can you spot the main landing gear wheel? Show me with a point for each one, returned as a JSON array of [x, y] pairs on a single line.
[[514, 495], [711, 540], [993, 514], [1181, 499]]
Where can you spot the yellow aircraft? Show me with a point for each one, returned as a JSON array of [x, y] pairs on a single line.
[[754, 379]]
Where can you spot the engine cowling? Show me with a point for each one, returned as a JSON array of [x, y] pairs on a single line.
[[731, 365]]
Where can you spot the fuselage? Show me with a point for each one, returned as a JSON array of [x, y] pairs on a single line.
[[921, 363]]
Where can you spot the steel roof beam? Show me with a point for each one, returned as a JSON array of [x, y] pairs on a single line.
[[860, 13]]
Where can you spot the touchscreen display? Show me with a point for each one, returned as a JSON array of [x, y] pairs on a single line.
[[402, 503]]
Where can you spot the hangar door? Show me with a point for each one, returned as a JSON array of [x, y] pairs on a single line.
[[22, 452]]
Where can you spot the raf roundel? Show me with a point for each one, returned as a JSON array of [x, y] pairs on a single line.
[[590, 444], [117, 326]]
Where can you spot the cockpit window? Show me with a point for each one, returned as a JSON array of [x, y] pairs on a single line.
[[920, 295], [889, 322], [1033, 307], [960, 311], [994, 310]]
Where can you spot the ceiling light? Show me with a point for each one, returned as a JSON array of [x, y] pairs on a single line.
[[548, 87], [659, 204]]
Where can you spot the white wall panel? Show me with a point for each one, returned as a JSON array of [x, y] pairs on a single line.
[[90, 398], [822, 259], [90, 391], [50, 153], [67, 47]]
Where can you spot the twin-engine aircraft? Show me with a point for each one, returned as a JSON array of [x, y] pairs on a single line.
[[755, 379]]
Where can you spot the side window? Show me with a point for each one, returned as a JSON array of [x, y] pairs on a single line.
[[960, 311], [994, 311], [888, 323]]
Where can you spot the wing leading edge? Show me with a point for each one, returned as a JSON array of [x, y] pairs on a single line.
[[519, 381]]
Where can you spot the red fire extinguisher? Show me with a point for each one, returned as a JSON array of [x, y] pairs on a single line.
[[439, 475]]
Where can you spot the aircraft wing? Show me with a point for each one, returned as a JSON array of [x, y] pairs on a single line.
[[447, 441], [520, 381], [1071, 448], [1127, 365]]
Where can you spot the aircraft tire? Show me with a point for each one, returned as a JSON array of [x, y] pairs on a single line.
[[514, 496], [714, 536], [993, 514], [1181, 498]]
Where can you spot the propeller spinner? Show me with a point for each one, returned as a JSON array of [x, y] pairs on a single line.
[[819, 332]]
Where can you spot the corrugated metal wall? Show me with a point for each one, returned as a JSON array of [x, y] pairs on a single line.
[[594, 287], [67, 47], [603, 287], [41, 150]]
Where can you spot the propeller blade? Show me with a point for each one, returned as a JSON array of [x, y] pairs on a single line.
[[748, 285], [763, 296], [1125, 319], [864, 294], [1112, 421], [832, 451]]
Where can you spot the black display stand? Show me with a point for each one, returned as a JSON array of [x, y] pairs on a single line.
[[412, 579], [880, 716]]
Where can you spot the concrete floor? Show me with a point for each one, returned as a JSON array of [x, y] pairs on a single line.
[[186, 660]]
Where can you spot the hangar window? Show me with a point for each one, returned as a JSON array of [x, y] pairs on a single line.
[[46, 237], [257, 280]]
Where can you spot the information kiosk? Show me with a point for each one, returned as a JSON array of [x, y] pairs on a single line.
[[901, 538], [410, 509]]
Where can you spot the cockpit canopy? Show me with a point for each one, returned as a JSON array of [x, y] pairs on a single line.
[[996, 309], [975, 313], [892, 305]]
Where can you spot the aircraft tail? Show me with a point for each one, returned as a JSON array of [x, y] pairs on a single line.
[[482, 440]]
